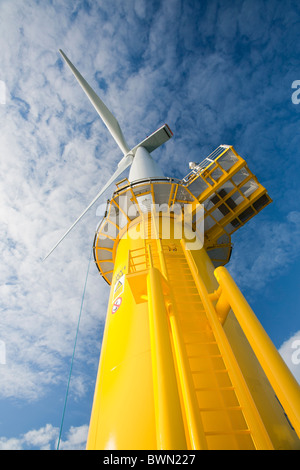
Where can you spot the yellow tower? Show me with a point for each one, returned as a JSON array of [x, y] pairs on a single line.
[[185, 363]]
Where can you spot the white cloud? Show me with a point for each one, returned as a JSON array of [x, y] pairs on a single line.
[[76, 438], [41, 438], [140, 8], [158, 64], [10, 444], [46, 438], [48, 174], [264, 250]]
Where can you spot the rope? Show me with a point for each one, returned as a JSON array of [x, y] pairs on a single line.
[[72, 360]]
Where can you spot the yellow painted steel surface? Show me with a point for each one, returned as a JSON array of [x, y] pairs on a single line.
[[197, 391], [282, 380], [169, 423], [185, 364]]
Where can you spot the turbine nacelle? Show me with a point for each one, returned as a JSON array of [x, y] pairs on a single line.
[[143, 166]]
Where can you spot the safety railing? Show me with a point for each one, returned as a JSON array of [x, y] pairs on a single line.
[[206, 162], [281, 379]]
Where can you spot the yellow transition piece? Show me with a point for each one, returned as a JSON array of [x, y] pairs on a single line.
[[182, 363]]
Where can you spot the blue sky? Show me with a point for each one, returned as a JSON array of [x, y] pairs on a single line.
[[218, 72]]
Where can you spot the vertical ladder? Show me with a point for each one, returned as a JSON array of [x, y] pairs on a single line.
[[226, 409]]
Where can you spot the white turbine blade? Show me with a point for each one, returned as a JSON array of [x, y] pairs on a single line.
[[105, 114], [121, 167]]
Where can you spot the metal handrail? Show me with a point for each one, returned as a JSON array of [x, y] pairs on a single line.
[[280, 377]]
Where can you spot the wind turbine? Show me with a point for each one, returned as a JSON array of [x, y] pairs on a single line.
[[185, 363], [139, 158]]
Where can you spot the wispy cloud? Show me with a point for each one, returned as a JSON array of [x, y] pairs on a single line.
[[265, 250], [46, 438], [216, 72]]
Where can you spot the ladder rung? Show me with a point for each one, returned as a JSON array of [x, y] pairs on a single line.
[[186, 279], [198, 332], [186, 291], [221, 408], [229, 432], [200, 342], [205, 389], [195, 356], [183, 287], [188, 305], [213, 371]]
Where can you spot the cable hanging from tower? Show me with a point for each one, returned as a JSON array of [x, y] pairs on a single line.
[[73, 355]]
